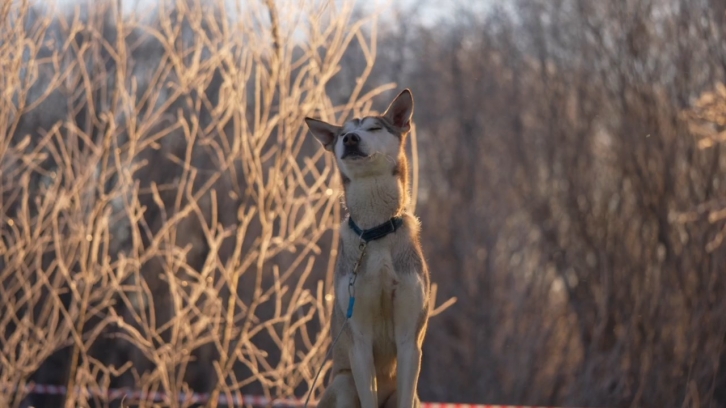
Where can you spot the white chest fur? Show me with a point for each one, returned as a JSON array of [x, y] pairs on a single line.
[[374, 286], [374, 291]]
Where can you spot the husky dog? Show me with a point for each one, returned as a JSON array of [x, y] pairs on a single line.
[[381, 279]]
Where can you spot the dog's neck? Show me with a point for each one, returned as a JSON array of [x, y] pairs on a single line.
[[372, 201]]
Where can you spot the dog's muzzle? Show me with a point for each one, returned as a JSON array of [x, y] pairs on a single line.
[[351, 143]]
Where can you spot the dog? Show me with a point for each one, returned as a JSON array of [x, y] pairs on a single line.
[[382, 284]]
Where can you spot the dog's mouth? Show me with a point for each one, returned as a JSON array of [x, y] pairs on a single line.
[[353, 153]]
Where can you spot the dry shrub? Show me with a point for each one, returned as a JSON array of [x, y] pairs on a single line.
[[165, 221]]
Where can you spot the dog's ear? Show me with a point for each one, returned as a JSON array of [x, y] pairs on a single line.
[[324, 132], [399, 112]]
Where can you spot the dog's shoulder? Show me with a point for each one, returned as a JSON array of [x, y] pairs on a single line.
[[407, 252], [412, 225]]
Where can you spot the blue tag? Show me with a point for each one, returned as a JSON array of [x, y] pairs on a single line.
[[351, 302]]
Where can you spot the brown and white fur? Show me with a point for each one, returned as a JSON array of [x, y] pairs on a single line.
[[377, 359]]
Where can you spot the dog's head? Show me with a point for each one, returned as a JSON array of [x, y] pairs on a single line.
[[369, 146]]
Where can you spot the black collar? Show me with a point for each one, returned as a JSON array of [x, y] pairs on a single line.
[[376, 232]]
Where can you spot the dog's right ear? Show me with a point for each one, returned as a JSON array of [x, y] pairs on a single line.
[[324, 132], [399, 112]]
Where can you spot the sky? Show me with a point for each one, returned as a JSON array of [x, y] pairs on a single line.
[[431, 11], [428, 12]]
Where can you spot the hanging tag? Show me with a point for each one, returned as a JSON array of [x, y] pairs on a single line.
[[351, 302]]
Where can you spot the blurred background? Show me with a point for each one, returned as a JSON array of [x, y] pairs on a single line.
[[168, 224]]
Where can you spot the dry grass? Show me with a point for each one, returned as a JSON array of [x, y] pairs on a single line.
[[166, 224]]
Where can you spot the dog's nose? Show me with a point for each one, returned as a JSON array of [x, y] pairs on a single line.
[[351, 139]]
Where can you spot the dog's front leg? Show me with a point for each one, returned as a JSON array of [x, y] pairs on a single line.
[[409, 367], [364, 370], [410, 322]]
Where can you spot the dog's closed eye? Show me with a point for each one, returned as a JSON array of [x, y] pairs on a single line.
[[375, 129]]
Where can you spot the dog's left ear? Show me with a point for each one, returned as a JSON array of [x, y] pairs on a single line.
[[323, 131], [399, 112]]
